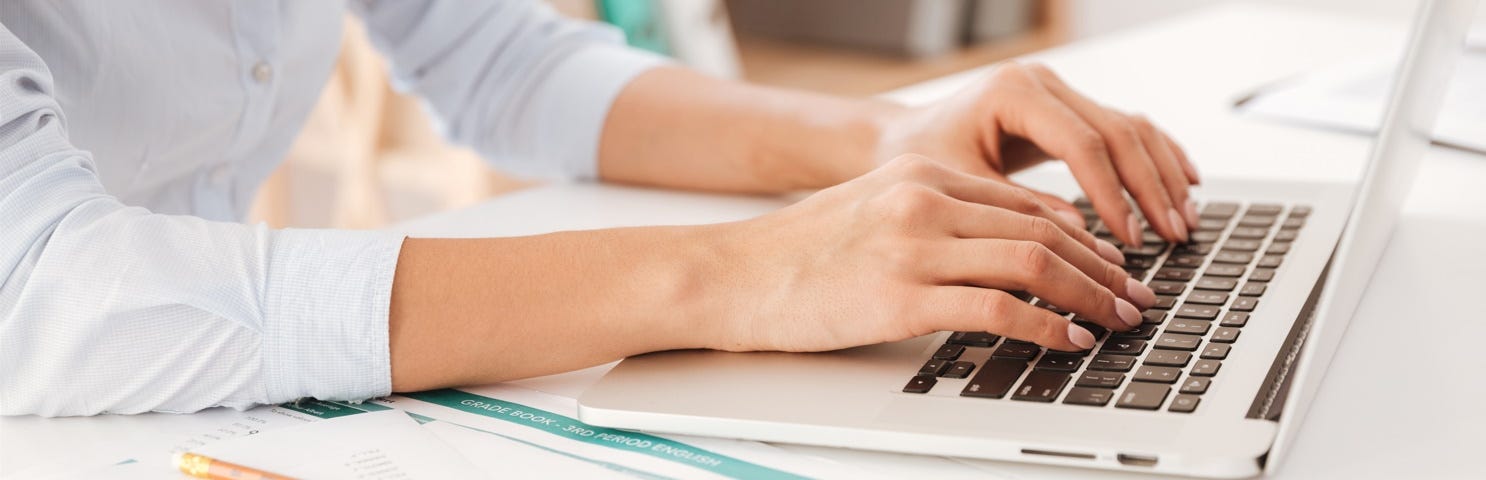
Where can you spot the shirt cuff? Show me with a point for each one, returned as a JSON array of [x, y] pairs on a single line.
[[325, 315], [574, 102]]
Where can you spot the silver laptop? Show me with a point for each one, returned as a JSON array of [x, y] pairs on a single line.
[[1213, 384]]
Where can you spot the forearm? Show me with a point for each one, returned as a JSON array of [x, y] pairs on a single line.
[[672, 127], [476, 311]]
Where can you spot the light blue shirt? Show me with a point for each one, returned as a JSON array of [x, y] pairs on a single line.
[[133, 135]]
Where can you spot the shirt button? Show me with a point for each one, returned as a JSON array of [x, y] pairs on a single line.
[[262, 72]]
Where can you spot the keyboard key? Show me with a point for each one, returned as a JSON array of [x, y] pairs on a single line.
[[1181, 274], [1216, 283], [1286, 235], [1189, 326], [1206, 368], [1262, 275], [1184, 403], [1041, 386], [1200, 297], [995, 378], [1265, 209], [1219, 210], [933, 367], [1142, 332], [1300, 211], [1226, 335], [1060, 362], [1140, 262], [949, 352], [1253, 289], [1208, 224], [1097, 379], [1165, 302], [1112, 363], [973, 339], [1241, 245], [1092, 327], [1278, 248], [1270, 261], [1088, 396], [1016, 350], [1196, 385], [920, 384], [1228, 256], [1235, 319], [1147, 250], [1153, 316], [1245, 236], [1049, 306], [1116, 346], [1245, 304], [1216, 351], [1152, 373], [1206, 236], [1256, 221], [1168, 358], [1185, 261], [1293, 223], [1204, 312], [1224, 270], [1143, 395], [1200, 249], [959, 370], [1177, 341], [1168, 288]]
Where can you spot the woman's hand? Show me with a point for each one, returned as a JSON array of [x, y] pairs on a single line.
[[912, 248], [1022, 114]]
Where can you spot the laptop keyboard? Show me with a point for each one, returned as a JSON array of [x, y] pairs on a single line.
[[1205, 290]]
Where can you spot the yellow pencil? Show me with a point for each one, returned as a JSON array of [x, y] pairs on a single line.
[[200, 466]]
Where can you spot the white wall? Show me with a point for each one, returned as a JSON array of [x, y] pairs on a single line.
[[1093, 17]]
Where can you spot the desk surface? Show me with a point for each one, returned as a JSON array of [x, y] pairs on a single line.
[[1394, 404]]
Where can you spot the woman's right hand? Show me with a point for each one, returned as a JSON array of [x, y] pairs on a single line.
[[912, 248]]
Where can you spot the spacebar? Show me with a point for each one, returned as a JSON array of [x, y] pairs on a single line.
[[995, 378]]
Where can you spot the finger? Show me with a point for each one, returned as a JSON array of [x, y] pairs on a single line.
[[1181, 154], [1034, 268], [1047, 122], [978, 190], [1170, 169], [972, 309], [1137, 171], [974, 221]]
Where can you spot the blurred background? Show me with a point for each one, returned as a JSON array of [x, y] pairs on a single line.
[[369, 156]]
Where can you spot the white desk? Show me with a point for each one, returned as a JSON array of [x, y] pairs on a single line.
[[1388, 409]]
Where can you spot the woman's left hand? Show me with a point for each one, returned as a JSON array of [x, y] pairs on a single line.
[[1022, 114]]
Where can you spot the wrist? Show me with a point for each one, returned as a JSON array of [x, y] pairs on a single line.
[[826, 142]]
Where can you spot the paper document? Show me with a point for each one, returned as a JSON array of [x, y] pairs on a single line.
[[373, 446], [1350, 97]]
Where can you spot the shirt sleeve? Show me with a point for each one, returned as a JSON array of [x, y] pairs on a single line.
[[525, 87], [106, 308]]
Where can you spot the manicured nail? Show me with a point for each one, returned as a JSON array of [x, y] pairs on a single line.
[[1080, 337], [1109, 251], [1127, 312], [1142, 294], [1191, 214], [1192, 169], [1133, 226], [1073, 217], [1177, 223]]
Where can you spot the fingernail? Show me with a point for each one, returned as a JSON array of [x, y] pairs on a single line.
[[1191, 214], [1177, 223], [1127, 312], [1109, 251], [1080, 337], [1073, 217], [1142, 294], [1196, 176], [1133, 226]]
